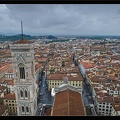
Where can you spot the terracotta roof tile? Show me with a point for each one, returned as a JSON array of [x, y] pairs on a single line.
[[42, 59], [68, 103], [47, 111], [22, 42], [10, 71], [3, 108], [88, 65], [10, 82], [10, 96], [117, 99], [71, 77], [116, 106], [107, 99], [5, 67]]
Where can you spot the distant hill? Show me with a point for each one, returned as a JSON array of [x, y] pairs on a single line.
[[26, 37], [15, 37], [98, 37], [46, 37]]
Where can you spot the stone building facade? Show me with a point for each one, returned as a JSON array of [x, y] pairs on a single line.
[[24, 77]]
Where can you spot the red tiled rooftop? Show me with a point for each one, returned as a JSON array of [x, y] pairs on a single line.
[[116, 106], [10, 96], [22, 41], [10, 82], [87, 65], [10, 71], [68, 103], [107, 99], [117, 99], [55, 76], [5, 67], [3, 108], [37, 66], [42, 59], [100, 67], [47, 111]]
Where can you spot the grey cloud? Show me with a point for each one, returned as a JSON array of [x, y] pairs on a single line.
[[61, 18]]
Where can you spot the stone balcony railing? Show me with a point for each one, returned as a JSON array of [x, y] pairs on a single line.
[[22, 46], [67, 86]]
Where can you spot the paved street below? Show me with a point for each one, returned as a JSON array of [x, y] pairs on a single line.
[[44, 96], [86, 95]]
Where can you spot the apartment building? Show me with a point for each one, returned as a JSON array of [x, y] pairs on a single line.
[[9, 74], [10, 100], [104, 105], [10, 85], [74, 79]]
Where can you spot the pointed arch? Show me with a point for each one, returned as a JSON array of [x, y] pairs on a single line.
[[27, 109], [23, 109], [32, 69], [26, 93], [21, 70], [21, 93]]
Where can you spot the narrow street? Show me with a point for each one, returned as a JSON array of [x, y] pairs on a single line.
[[44, 96], [86, 95]]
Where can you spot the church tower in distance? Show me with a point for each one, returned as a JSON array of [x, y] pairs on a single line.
[[24, 77]]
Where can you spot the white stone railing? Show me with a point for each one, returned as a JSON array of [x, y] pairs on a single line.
[[22, 46]]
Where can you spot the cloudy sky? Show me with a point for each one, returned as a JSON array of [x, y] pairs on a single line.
[[60, 19]]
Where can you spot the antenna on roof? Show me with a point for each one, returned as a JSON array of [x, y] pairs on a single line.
[[22, 30]]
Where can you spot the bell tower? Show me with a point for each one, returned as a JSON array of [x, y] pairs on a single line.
[[24, 76]]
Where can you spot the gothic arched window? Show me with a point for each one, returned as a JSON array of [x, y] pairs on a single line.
[[22, 71], [32, 69], [27, 109], [23, 110], [26, 94], [21, 93]]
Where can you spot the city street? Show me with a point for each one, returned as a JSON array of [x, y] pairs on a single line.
[[86, 95], [44, 96]]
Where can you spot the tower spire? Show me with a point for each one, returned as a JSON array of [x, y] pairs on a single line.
[[22, 29]]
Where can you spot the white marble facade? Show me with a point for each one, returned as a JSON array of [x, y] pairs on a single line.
[[24, 78]]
